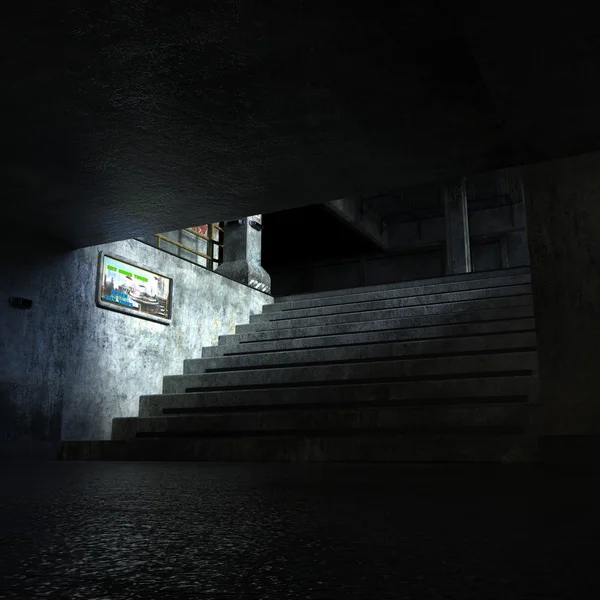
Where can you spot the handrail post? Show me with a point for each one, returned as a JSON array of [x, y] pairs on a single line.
[[210, 248]]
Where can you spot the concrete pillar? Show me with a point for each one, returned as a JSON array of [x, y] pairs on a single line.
[[242, 254], [458, 244], [562, 200]]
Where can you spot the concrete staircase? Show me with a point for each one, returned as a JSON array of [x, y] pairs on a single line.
[[432, 370]]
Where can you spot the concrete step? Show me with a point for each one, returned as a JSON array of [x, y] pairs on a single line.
[[352, 354], [497, 388], [517, 362], [393, 313], [406, 292], [461, 301], [428, 320], [294, 448], [393, 303], [488, 328], [480, 276], [499, 418]]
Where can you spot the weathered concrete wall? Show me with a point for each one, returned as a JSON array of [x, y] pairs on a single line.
[[498, 222], [416, 238], [366, 222], [357, 271], [563, 213], [405, 267], [68, 367], [498, 240]]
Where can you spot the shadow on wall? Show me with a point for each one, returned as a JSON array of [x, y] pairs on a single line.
[[32, 366]]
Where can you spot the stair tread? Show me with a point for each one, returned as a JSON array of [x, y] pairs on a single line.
[[423, 310], [399, 285], [405, 368], [431, 332], [450, 318], [490, 388], [365, 352], [413, 418], [360, 303], [315, 410]]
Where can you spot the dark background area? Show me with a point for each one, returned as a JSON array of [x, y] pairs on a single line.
[[306, 234]]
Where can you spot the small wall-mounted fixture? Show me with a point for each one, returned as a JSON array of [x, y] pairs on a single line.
[[235, 222], [17, 302], [255, 222]]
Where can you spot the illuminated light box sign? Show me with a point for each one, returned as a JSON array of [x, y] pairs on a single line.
[[126, 287]]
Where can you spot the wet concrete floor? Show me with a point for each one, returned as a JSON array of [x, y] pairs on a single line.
[[274, 531]]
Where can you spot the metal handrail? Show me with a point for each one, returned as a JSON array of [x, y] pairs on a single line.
[[160, 236], [204, 237], [210, 258]]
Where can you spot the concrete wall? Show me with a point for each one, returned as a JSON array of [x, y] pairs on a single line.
[[498, 240], [356, 271], [503, 225], [563, 212], [417, 247], [359, 217], [68, 367]]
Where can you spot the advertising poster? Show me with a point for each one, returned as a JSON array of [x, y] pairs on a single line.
[[124, 285], [201, 229], [204, 230]]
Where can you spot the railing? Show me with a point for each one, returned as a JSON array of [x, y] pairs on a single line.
[[214, 248]]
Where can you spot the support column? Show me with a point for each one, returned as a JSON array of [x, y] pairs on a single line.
[[458, 243], [516, 240], [242, 254], [562, 201]]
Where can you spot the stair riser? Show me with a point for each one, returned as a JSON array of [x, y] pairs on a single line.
[[403, 393], [502, 292], [395, 313], [447, 288], [381, 325], [449, 346], [384, 448], [401, 369], [341, 341], [508, 418], [483, 277]]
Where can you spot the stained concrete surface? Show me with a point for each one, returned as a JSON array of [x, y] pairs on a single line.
[[67, 367], [418, 251], [563, 216], [166, 530]]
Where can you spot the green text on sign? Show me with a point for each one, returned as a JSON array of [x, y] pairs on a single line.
[[126, 273], [141, 278]]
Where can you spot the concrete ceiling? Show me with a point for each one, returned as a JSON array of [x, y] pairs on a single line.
[[121, 118]]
